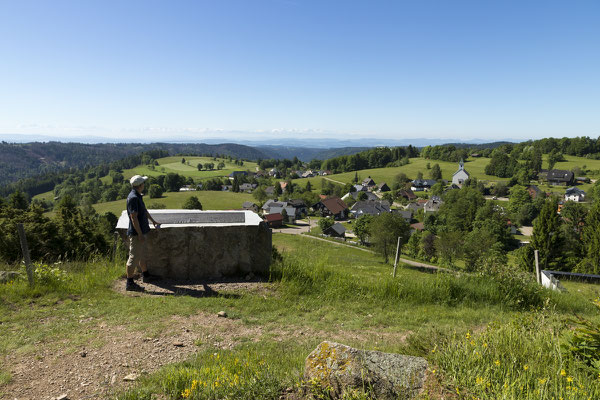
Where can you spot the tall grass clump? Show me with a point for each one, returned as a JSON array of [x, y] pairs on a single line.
[[309, 277], [523, 359], [62, 279]]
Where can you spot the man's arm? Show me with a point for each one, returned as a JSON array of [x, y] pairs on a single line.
[[156, 224]]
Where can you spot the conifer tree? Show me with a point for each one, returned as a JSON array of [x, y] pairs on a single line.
[[591, 240], [436, 172], [547, 236]]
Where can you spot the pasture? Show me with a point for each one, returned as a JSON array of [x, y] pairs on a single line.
[[210, 200], [189, 168]]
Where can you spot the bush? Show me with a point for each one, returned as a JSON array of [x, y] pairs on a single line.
[[192, 204], [49, 275], [325, 223]]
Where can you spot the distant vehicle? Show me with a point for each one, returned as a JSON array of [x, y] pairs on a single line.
[[495, 198]]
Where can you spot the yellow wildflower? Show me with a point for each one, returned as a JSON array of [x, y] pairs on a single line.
[[525, 367], [497, 362], [186, 393], [569, 379], [563, 372]]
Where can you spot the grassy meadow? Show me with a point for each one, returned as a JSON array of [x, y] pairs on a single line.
[[174, 164], [210, 201], [319, 291], [474, 166]]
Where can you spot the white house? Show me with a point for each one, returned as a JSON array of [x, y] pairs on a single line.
[[574, 194], [461, 175]]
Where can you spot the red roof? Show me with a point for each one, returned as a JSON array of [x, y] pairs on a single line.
[[323, 196], [419, 226], [274, 217], [335, 205], [422, 201]]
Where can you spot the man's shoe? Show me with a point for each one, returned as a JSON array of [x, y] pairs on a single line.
[[150, 278], [133, 287]]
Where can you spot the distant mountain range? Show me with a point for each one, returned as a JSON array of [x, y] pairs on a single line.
[[276, 141], [20, 159]]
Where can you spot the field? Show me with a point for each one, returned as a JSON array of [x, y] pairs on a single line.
[[341, 294], [174, 164], [210, 201], [475, 167]]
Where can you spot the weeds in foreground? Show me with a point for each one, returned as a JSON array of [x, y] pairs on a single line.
[[520, 360], [244, 374]]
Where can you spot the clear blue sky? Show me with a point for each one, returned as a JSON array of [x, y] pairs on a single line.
[[387, 69]]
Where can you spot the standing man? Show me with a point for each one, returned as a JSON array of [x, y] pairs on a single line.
[[138, 228]]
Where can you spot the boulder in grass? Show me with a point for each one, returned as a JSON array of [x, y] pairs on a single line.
[[341, 369]]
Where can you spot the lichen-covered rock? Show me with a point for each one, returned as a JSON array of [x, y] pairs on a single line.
[[340, 368]]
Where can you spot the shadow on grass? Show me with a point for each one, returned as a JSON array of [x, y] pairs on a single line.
[[168, 287]]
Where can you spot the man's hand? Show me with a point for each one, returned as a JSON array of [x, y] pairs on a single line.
[[156, 224]]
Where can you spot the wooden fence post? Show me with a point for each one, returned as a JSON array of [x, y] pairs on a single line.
[[538, 275], [26, 256], [397, 256], [114, 250]]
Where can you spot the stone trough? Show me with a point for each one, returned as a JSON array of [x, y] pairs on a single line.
[[199, 245]]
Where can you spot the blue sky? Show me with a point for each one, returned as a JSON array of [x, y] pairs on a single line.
[[385, 69]]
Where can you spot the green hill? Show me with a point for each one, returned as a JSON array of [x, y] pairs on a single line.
[[210, 201]]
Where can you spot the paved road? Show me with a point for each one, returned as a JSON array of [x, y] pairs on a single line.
[[498, 198], [300, 227]]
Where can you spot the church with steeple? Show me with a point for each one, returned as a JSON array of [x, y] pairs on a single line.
[[461, 175]]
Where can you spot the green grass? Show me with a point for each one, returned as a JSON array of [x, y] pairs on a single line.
[[173, 164], [249, 371], [475, 167], [211, 200], [328, 291], [573, 161]]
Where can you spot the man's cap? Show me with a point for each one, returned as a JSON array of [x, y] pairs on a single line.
[[137, 180]]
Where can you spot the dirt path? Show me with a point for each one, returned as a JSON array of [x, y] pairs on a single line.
[[98, 369], [333, 180], [94, 372]]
